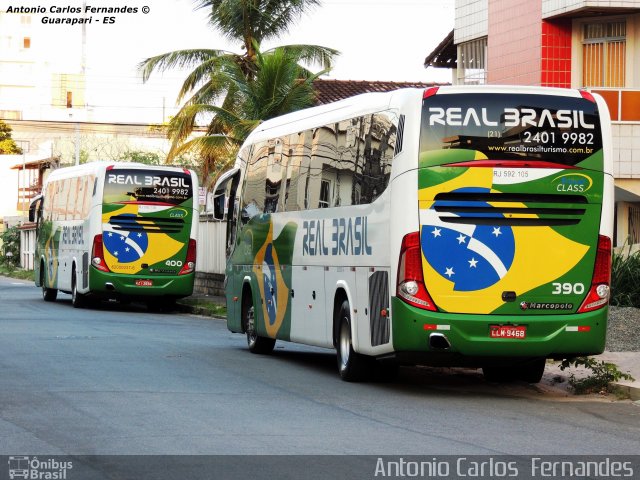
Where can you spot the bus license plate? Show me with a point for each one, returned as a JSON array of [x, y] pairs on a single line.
[[144, 283], [508, 331]]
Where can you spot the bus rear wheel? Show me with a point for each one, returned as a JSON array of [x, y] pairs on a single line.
[[48, 294], [531, 372], [256, 343], [352, 366], [78, 300]]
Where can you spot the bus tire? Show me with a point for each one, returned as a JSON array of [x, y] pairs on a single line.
[[256, 343], [78, 300], [531, 372], [48, 294], [352, 366]]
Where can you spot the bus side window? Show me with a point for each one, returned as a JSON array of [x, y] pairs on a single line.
[[47, 206], [376, 153], [72, 199], [254, 193], [297, 175]]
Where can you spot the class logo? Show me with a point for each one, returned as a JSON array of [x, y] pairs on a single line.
[[572, 183], [472, 257], [178, 213]]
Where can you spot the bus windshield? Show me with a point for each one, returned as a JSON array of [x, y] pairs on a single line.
[[555, 129], [136, 186]]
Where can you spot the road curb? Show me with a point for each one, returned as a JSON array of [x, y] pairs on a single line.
[[197, 310]]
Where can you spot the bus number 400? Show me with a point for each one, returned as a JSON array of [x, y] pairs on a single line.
[[173, 263]]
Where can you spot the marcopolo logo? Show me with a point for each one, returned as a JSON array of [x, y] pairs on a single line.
[[38, 469]]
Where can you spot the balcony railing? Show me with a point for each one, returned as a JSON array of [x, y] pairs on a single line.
[[623, 103]]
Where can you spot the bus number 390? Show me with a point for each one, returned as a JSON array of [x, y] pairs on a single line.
[[567, 288]]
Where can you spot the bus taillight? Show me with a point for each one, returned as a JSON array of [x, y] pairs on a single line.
[[97, 254], [190, 264], [429, 92], [598, 295], [410, 288]]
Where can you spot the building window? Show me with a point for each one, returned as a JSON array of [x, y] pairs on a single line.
[[472, 62], [634, 225], [26, 42], [325, 194], [604, 54]]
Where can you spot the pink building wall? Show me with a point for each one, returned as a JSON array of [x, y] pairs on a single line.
[[514, 44], [523, 49]]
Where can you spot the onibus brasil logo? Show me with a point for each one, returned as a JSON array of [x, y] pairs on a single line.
[[21, 466]]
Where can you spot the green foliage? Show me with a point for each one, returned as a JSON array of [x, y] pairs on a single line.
[[625, 278], [222, 88], [10, 255], [7, 144], [139, 156], [601, 379], [203, 306], [16, 273]]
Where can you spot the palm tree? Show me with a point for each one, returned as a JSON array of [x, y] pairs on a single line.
[[235, 91]]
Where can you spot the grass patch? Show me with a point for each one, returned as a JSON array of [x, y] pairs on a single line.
[[202, 306], [16, 273]]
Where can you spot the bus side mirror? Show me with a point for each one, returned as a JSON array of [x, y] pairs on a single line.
[[220, 193]]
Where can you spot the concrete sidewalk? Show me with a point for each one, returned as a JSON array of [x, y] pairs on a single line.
[[627, 362]]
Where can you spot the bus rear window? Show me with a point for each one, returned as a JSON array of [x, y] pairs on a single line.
[[135, 186], [558, 129]]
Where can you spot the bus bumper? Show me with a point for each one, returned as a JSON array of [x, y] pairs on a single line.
[[468, 336], [115, 285]]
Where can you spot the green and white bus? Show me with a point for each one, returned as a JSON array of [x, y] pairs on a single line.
[[449, 226], [125, 231]]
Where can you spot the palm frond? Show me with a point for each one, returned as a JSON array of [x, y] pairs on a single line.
[[277, 16], [177, 59], [207, 72], [259, 20], [312, 54]]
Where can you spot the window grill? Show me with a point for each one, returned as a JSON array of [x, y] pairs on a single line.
[[604, 54], [472, 62]]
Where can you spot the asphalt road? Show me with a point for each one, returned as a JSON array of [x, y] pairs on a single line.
[[121, 381]]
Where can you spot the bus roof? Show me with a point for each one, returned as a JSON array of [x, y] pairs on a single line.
[[379, 101], [347, 108], [101, 166]]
